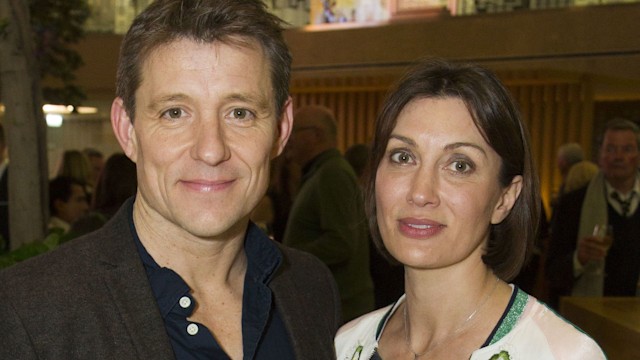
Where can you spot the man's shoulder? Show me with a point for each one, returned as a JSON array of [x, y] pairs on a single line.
[[77, 260], [298, 260], [74, 259], [573, 198], [335, 170], [304, 270]]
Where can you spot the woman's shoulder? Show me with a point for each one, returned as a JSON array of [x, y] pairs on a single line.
[[565, 339], [365, 322], [540, 333], [359, 336]]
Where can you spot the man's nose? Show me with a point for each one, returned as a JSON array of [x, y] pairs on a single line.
[[210, 143]]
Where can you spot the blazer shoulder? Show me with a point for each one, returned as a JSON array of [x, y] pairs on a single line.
[[305, 277], [79, 259]]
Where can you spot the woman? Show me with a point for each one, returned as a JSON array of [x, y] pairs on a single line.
[[75, 165], [117, 182], [453, 196]]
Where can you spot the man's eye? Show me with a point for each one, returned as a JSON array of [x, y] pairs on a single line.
[[173, 113], [401, 157], [241, 114]]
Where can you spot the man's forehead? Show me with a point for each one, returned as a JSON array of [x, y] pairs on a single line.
[[161, 62], [239, 43], [619, 135]]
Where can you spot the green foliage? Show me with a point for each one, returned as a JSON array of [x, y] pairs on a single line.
[[26, 251], [56, 25]]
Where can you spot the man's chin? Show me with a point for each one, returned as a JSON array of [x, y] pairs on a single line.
[[208, 229]]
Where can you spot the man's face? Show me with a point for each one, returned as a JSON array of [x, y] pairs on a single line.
[[97, 164], [302, 144], [204, 134], [76, 207], [619, 155]]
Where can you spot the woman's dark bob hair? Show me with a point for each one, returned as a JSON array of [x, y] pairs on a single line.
[[498, 120]]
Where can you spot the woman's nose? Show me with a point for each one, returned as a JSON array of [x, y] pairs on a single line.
[[422, 191]]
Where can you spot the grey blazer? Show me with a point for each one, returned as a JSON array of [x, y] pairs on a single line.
[[90, 299]]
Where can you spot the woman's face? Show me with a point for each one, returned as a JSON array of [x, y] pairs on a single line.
[[437, 188]]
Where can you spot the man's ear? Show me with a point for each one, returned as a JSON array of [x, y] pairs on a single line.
[[506, 201], [123, 128], [283, 129]]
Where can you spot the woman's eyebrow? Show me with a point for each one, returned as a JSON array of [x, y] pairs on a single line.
[[403, 139], [457, 145]]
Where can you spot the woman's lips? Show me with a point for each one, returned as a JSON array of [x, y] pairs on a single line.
[[419, 229]]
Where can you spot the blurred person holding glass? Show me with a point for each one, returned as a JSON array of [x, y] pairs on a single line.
[[579, 262], [453, 196]]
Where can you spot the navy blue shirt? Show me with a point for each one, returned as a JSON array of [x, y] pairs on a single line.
[[264, 335]]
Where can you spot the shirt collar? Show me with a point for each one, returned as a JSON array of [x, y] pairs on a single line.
[[610, 189], [56, 222], [263, 259], [616, 204]]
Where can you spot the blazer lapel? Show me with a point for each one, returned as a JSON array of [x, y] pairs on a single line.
[[129, 288]]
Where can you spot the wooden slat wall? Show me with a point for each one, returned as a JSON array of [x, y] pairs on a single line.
[[355, 101], [555, 111]]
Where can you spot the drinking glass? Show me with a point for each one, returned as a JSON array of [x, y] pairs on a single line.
[[604, 233]]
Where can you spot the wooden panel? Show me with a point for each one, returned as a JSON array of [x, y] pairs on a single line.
[[613, 322]]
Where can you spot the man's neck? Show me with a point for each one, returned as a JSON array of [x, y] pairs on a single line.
[[198, 261], [623, 186]]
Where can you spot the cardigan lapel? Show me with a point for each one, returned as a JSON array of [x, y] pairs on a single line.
[[129, 288]]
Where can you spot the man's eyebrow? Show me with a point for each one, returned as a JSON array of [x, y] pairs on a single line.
[[156, 103], [259, 101]]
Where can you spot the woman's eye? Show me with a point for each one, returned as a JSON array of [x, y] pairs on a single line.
[[461, 166], [173, 113], [401, 157]]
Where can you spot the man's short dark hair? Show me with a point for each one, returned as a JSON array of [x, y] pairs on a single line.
[[620, 124], [236, 22], [60, 189]]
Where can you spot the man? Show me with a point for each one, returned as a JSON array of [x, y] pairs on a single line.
[[4, 194], [568, 155], [68, 202], [327, 217], [96, 164], [179, 272], [578, 262]]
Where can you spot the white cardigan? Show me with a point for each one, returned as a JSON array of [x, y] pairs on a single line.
[[529, 331]]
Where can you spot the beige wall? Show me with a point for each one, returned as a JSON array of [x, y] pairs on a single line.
[[601, 41]]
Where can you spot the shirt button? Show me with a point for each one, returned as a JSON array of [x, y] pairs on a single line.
[[185, 302], [192, 329]]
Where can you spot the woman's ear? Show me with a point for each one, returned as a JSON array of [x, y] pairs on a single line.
[[506, 201], [123, 128]]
